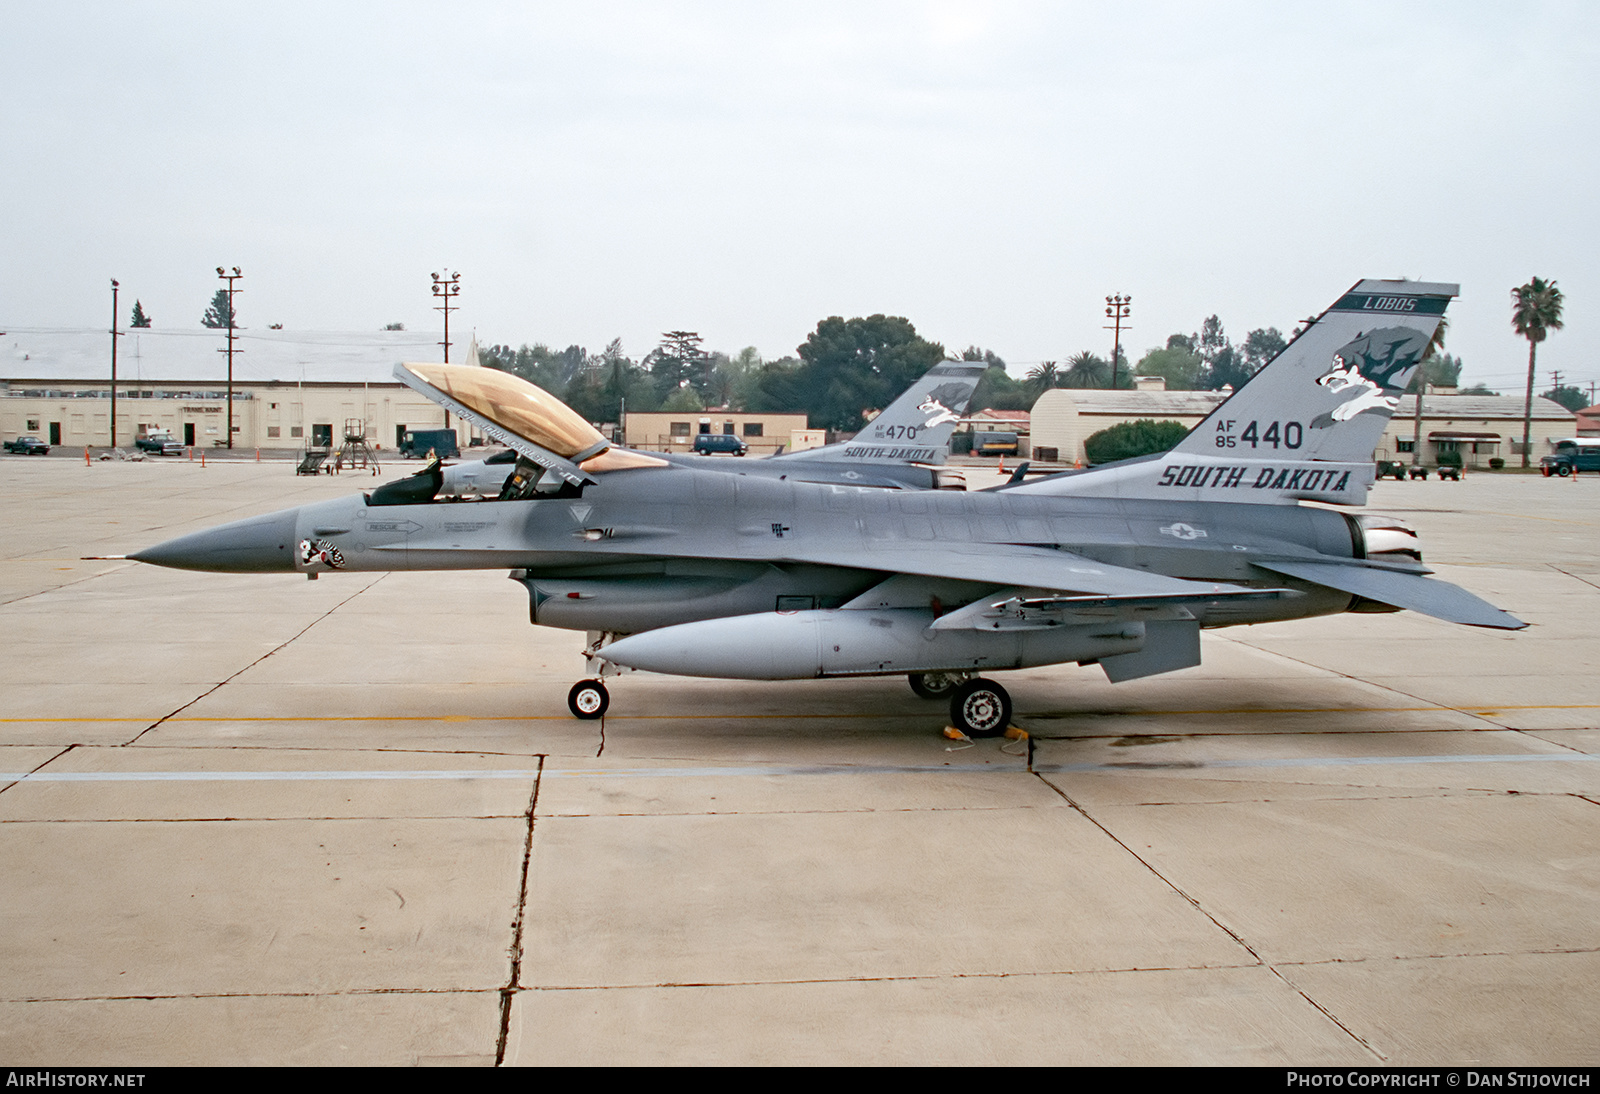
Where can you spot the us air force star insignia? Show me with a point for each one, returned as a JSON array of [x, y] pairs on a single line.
[[1183, 531]]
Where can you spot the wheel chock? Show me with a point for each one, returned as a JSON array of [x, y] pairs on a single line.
[[1016, 733], [955, 734]]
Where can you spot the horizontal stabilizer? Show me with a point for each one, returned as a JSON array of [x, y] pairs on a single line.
[[1413, 592]]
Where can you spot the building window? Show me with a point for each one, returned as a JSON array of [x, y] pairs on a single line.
[[272, 431], [1405, 446], [296, 431], [679, 429], [33, 425], [752, 429]]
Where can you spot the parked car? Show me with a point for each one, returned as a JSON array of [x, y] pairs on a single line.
[[28, 446], [162, 444], [1394, 469], [1572, 456], [708, 443]]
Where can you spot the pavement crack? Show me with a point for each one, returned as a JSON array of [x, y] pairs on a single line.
[[63, 585], [253, 664], [1230, 932], [1575, 577], [509, 992], [1168, 882], [40, 767]]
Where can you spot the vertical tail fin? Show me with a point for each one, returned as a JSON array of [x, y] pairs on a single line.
[[916, 427], [1305, 426]]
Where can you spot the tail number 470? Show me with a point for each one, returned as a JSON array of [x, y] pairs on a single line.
[[1276, 434]]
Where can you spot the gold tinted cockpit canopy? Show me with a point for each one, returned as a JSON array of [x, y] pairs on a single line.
[[522, 415]]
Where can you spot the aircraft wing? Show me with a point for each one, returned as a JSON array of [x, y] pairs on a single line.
[[1017, 565], [1413, 592]]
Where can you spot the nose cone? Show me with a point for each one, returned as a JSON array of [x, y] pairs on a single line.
[[254, 546]]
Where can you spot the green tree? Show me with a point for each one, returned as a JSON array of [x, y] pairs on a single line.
[[140, 319], [219, 315], [996, 390], [1085, 370], [678, 360], [1261, 346], [1177, 366], [851, 365], [1570, 397], [1042, 377], [1125, 440], [1535, 312]]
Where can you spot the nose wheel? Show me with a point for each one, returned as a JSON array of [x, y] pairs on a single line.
[[588, 699], [980, 708]]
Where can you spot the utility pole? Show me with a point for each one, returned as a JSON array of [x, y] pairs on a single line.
[[230, 278], [1117, 309], [115, 334], [447, 289]]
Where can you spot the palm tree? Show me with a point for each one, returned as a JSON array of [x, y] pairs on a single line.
[[1435, 344], [1535, 311], [1084, 370], [1044, 376]]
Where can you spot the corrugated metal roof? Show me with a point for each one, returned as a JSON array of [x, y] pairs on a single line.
[[1478, 406], [1137, 403], [156, 354]]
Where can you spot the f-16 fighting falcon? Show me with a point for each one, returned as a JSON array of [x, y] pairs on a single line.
[[698, 572]]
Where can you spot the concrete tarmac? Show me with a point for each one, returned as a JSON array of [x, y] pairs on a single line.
[[267, 820]]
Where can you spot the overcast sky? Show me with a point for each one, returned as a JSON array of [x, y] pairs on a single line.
[[989, 170]]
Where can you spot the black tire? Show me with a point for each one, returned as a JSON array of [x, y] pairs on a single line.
[[934, 685], [1564, 470], [980, 708], [588, 699]]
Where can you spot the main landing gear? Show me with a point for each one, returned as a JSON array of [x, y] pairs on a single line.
[[980, 708], [588, 699], [935, 685]]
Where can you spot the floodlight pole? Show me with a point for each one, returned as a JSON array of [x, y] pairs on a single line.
[[230, 278], [115, 334], [1117, 309], [447, 288]]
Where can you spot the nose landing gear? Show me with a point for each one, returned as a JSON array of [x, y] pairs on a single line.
[[588, 699]]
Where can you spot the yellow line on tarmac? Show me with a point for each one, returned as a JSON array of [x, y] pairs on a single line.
[[1231, 712]]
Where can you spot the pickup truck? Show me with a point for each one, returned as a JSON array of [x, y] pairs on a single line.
[[162, 444], [28, 446], [1571, 457]]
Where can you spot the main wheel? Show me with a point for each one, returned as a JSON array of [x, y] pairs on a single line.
[[980, 708], [934, 685], [588, 699]]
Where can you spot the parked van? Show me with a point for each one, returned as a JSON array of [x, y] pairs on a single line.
[[417, 443], [708, 443]]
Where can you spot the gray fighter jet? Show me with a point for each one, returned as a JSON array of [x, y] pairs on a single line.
[[698, 572], [900, 449]]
